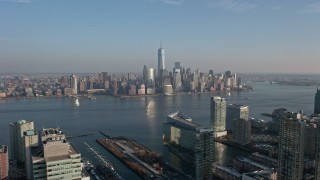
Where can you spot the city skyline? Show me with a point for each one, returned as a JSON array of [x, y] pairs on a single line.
[[83, 36]]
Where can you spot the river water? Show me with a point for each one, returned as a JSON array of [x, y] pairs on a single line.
[[141, 118]]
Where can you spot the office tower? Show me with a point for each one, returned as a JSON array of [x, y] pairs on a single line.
[[55, 157], [239, 81], [144, 73], [150, 81], [4, 162], [235, 111], [132, 90], [74, 84], [177, 83], [115, 87], [211, 72], [317, 102], [177, 66], [64, 81], [82, 85], [218, 116], [241, 133], [291, 146], [104, 79], [161, 61], [187, 147], [228, 74]]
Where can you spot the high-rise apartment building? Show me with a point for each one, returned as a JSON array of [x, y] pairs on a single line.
[[74, 84], [55, 157], [235, 111], [218, 116], [4, 162], [291, 146], [317, 102], [241, 132], [317, 152], [21, 138], [187, 147]]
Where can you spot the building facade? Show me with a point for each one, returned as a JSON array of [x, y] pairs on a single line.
[[161, 61], [218, 116], [291, 147], [241, 133], [187, 147], [18, 143], [4, 162], [235, 111], [55, 158], [74, 84], [317, 102]]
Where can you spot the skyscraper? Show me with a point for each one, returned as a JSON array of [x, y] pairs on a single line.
[[291, 146], [161, 61], [55, 157], [150, 81], [105, 78], [4, 162], [188, 147], [74, 84], [235, 111], [22, 138], [241, 132], [317, 152], [218, 116], [18, 131], [317, 102]]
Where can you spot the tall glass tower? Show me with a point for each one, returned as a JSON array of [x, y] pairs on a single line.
[[161, 61], [317, 102], [74, 84], [218, 115], [187, 147]]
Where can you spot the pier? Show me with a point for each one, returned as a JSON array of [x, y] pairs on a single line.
[[105, 169], [141, 160]]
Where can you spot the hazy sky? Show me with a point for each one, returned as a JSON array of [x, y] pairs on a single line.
[[123, 35]]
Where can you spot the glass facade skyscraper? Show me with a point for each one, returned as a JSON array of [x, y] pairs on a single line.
[[218, 115], [161, 61], [187, 147]]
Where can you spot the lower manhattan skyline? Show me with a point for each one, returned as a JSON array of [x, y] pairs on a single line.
[[122, 36], [159, 89]]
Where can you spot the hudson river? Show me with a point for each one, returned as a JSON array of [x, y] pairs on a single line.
[[141, 118]]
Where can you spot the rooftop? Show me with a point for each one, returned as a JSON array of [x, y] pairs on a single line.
[[180, 119], [240, 106], [249, 161], [51, 131], [228, 170]]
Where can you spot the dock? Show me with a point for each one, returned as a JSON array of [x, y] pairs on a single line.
[[141, 160], [105, 169]]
